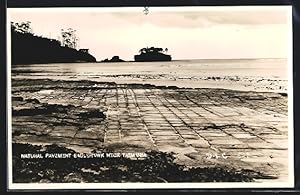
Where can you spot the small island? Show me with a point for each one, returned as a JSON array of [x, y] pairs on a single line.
[[152, 54], [113, 59]]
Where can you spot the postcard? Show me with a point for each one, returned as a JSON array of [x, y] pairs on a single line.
[[150, 97]]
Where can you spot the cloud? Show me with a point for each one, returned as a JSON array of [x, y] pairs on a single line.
[[101, 18], [195, 19]]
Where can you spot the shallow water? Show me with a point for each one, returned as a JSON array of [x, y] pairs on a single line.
[[238, 74]]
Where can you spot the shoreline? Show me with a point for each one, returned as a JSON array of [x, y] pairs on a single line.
[[284, 93]]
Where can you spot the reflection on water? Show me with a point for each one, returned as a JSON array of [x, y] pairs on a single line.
[[254, 75]]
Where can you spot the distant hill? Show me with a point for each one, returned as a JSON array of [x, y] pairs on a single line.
[[27, 48]]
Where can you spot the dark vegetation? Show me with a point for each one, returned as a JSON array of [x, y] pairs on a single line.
[[156, 167], [27, 48]]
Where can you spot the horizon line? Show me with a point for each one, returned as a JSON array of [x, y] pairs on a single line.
[[264, 58]]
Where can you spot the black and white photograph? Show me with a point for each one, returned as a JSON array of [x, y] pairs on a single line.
[[150, 97]]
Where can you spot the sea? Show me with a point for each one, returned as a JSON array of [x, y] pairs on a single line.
[[263, 75]]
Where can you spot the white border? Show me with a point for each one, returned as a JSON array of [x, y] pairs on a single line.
[[152, 9], [104, 186], [290, 96], [9, 114]]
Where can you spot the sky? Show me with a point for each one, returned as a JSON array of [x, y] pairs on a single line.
[[187, 32]]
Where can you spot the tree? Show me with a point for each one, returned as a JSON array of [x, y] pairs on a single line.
[[143, 50], [151, 49], [158, 49], [69, 38], [23, 27], [155, 49]]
